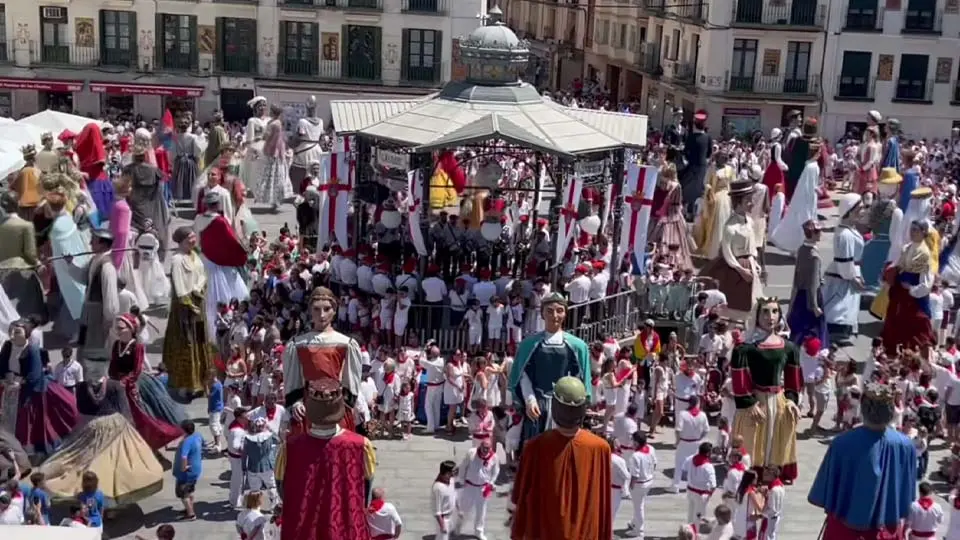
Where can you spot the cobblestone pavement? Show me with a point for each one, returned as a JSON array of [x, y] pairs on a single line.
[[407, 468]]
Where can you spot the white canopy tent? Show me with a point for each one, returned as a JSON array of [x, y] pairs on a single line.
[[22, 134], [55, 122], [11, 158]]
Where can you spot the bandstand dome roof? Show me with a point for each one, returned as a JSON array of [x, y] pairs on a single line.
[[492, 103]]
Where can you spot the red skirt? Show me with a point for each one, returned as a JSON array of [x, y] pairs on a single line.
[[771, 177], [156, 432], [46, 418], [905, 323], [834, 529]]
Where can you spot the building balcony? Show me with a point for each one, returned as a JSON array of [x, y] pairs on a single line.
[[424, 7], [774, 85], [863, 20], [656, 8], [913, 91], [798, 16], [364, 5], [243, 64], [346, 71], [855, 88], [648, 60], [684, 73], [73, 56], [696, 12], [428, 76], [920, 23]]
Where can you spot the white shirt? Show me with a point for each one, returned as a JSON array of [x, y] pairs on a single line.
[[483, 291], [620, 473], [458, 301], [703, 478], [692, 428], [922, 519], [434, 289], [249, 520], [579, 289], [406, 281], [477, 473], [714, 298], [721, 532], [685, 386], [953, 399], [274, 424], [235, 438], [936, 306], [381, 282], [70, 374], [384, 521], [623, 429], [732, 482], [643, 465], [365, 278], [444, 499], [348, 272], [434, 369], [13, 515], [953, 529], [598, 285], [774, 506]]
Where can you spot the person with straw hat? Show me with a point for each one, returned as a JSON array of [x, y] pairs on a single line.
[[884, 220]]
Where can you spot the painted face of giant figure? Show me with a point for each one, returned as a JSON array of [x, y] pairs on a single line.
[[323, 308], [768, 314]]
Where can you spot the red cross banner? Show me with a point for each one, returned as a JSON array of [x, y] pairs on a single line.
[[414, 210], [572, 187], [637, 204], [336, 176]]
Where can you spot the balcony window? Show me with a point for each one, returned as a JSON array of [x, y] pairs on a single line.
[[912, 82], [118, 31], [744, 63], [421, 55], [798, 67], [3, 34], [55, 35], [178, 40], [362, 57], [855, 75], [862, 15], [237, 47], [920, 16], [421, 6], [300, 48]]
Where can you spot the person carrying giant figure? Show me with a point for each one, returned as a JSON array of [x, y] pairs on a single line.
[[307, 148], [797, 150], [542, 359]]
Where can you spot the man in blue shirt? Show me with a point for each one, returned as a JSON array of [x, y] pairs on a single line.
[[91, 498], [215, 408], [187, 467]]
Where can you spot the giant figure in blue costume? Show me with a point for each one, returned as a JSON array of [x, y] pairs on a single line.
[[891, 148], [542, 359], [867, 480], [886, 220]]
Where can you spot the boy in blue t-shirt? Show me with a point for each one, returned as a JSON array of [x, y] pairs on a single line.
[[215, 408], [187, 467], [38, 496], [91, 498]]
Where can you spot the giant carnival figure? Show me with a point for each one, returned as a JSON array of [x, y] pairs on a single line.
[[765, 371], [254, 160], [884, 220], [307, 145], [867, 480], [796, 151]]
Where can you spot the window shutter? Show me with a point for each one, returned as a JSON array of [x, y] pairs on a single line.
[[437, 56], [102, 34], [405, 55], [282, 49], [252, 47], [220, 44], [378, 52], [194, 45], [315, 53], [134, 40], [344, 49], [158, 43]]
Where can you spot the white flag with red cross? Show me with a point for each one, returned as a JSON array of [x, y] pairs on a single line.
[[572, 188], [638, 189], [336, 188], [415, 210]]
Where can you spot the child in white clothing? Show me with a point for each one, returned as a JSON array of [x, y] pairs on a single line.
[[405, 409], [495, 312], [402, 315], [473, 320]]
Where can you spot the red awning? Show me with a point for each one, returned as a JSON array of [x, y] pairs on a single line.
[[46, 85], [134, 89]]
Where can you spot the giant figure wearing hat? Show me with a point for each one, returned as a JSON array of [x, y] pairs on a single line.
[[223, 257], [908, 317], [307, 148], [148, 208], [322, 354], [674, 137], [542, 359], [843, 282], [101, 304], [65, 239], [866, 482], [217, 139], [186, 160], [796, 151], [254, 160], [326, 470], [696, 152], [562, 487], [884, 220]]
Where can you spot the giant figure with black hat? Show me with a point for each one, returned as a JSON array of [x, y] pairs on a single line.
[[795, 151], [542, 359], [101, 303], [866, 482], [562, 488], [802, 207], [696, 152], [674, 137]]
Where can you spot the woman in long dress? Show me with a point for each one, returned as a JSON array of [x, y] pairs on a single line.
[[127, 365], [274, 185], [802, 208], [253, 161], [669, 227], [186, 352], [47, 411], [773, 175], [124, 242], [716, 210], [908, 318], [868, 162]]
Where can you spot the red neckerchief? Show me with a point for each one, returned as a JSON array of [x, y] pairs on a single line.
[[739, 466], [270, 415], [235, 424], [776, 483], [594, 380], [694, 411], [375, 506], [81, 520], [624, 373], [516, 419], [700, 460], [388, 378], [925, 502], [645, 449], [486, 460], [750, 489], [743, 452], [724, 430]]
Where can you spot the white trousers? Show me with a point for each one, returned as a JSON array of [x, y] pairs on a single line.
[[432, 403], [440, 534], [617, 499], [639, 496], [471, 500], [685, 449], [679, 406], [265, 481], [773, 527], [696, 506], [236, 481]]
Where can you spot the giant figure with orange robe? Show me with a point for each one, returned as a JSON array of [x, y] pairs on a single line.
[[322, 353], [562, 488]]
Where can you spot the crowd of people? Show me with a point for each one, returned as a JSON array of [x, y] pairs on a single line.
[[308, 344]]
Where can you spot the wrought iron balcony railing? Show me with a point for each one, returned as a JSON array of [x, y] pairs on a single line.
[[913, 91], [375, 5], [298, 68], [697, 12], [860, 19], [796, 15], [808, 86], [684, 72], [918, 22], [426, 7], [649, 61], [855, 88]]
